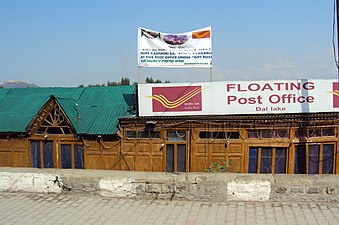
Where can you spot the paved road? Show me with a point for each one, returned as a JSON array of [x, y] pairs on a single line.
[[32, 208]]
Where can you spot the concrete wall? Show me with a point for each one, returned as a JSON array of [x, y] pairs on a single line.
[[156, 185]]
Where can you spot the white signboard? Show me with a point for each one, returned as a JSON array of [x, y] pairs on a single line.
[[238, 97], [191, 49]]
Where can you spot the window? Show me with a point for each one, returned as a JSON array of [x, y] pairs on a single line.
[[44, 155], [72, 156], [253, 160], [300, 159], [317, 132], [35, 154], [78, 156], [174, 135], [48, 154], [41, 154], [143, 134], [268, 133], [66, 156], [267, 160], [219, 135], [314, 158]]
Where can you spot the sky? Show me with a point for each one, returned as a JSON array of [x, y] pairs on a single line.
[[66, 43]]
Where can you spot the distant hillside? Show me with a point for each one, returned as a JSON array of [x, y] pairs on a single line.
[[16, 84]]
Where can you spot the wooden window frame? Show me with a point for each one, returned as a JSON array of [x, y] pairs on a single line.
[[259, 157], [72, 154], [175, 149], [321, 151], [138, 134], [320, 129], [275, 135], [41, 153]]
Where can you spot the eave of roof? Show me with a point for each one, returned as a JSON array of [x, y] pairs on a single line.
[[237, 118]]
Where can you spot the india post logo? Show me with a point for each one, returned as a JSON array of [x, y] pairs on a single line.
[[335, 94], [176, 99]]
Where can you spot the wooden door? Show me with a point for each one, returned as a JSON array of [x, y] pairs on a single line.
[[176, 151]]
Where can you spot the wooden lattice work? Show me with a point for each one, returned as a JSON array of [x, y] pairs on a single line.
[[51, 120]]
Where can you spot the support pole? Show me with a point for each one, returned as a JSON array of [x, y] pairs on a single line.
[[138, 74]]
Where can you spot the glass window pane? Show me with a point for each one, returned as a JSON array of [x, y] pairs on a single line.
[[131, 134], [327, 132], [266, 160], [218, 135], [253, 133], [170, 158], [253, 160], [66, 160], [314, 133], [181, 158], [282, 134], [148, 134], [280, 160], [35, 154], [48, 154], [328, 158], [78, 156], [267, 133], [204, 134], [154, 134], [300, 159], [301, 134], [174, 135], [313, 159], [233, 135]]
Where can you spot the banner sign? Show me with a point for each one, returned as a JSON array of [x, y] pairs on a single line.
[[238, 97], [191, 49]]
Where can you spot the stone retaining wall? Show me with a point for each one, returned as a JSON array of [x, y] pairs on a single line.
[[188, 186]]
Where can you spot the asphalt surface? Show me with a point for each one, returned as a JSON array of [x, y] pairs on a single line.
[[33, 208]]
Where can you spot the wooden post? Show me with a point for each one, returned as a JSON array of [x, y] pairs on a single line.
[[138, 74]]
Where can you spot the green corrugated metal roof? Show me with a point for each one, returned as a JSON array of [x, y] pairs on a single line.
[[91, 110]]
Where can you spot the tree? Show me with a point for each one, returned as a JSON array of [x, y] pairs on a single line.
[[150, 80], [124, 82]]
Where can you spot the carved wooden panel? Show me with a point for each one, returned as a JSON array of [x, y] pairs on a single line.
[[234, 148]]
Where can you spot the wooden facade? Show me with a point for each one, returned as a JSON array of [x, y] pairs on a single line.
[[281, 143], [298, 143]]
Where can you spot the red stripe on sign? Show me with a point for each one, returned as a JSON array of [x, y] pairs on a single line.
[[335, 94]]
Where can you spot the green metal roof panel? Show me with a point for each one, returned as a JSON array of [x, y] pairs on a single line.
[[91, 110], [3, 92], [98, 109]]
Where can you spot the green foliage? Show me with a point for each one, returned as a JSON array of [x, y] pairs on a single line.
[[216, 167], [124, 82], [150, 80]]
